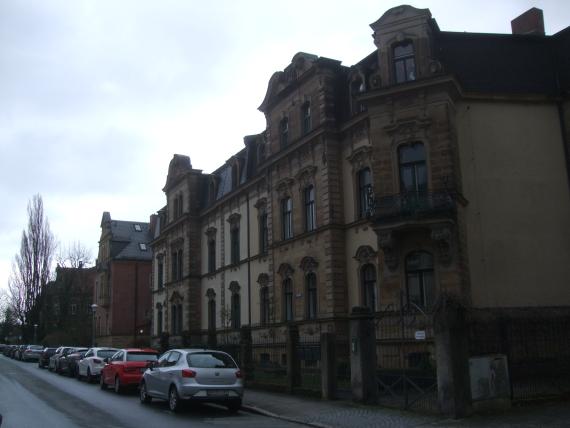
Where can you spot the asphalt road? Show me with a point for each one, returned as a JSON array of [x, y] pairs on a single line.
[[36, 398]]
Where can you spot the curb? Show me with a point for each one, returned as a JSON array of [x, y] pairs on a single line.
[[259, 411]]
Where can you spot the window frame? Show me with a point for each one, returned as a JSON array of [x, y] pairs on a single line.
[[310, 208], [264, 305], [288, 302], [211, 255], [403, 60], [420, 178], [306, 120], [368, 286], [234, 245], [263, 233], [287, 218], [236, 311], [284, 131], [312, 295], [422, 273], [364, 191]]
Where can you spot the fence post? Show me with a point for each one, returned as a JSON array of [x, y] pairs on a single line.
[[328, 366], [452, 355], [293, 363], [246, 353], [363, 356]]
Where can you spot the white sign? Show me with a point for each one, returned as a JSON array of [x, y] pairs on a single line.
[[420, 335]]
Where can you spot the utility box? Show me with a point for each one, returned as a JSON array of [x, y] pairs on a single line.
[[490, 384]]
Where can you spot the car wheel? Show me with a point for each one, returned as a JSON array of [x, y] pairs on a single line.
[[173, 399], [89, 375], [102, 382], [143, 394], [234, 406], [118, 388]]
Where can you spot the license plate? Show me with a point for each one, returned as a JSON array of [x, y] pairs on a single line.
[[217, 393]]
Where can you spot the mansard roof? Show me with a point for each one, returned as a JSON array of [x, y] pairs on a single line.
[[126, 238]]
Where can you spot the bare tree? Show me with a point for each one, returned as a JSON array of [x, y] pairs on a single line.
[[75, 255], [31, 267]]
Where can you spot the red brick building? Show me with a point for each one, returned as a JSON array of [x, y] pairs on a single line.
[[122, 285]]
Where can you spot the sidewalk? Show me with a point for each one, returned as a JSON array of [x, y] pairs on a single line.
[[345, 414]]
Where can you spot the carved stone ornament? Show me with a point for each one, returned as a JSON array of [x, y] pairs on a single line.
[[176, 297], [233, 219], [261, 204], [308, 264], [408, 129], [442, 236], [211, 232], [263, 280], [388, 245], [366, 254], [211, 294], [283, 187], [306, 176], [234, 287], [158, 306], [285, 270], [360, 158]]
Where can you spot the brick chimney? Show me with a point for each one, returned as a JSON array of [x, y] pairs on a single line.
[[530, 22]]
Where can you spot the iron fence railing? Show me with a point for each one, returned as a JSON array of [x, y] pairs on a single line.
[[413, 205]]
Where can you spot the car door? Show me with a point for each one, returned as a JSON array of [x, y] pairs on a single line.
[[82, 364], [111, 369], [152, 377], [168, 372]]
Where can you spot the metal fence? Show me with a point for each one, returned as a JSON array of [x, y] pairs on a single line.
[[269, 360], [308, 353], [537, 349]]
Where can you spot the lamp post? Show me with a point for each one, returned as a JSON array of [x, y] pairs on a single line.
[[35, 333], [93, 309]]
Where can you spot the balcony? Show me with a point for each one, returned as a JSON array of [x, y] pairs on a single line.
[[413, 207]]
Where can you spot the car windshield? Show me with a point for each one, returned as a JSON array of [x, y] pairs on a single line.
[[141, 356], [210, 360], [106, 353]]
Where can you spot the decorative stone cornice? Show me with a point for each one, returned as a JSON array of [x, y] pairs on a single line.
[[211, 232], [285, 270], [366, 254], [263, 280], [211, 294], [234, 287], [306, 176], [308, 264], [360, 158], [233, 219]]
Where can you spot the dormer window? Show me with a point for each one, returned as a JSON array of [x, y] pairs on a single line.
[[284, 132], [142, 246], [138, 228], [404, 62], [306, 117]]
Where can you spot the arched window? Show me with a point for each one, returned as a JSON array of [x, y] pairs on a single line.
[[173, 319], [368, 286], [412, 166], [420, 287], [288, 299], [364, 189], [311, 284], [264, 305], [404, 62], [284, 132], [306, 117]]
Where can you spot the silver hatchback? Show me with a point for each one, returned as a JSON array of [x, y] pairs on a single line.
[[194, 375]]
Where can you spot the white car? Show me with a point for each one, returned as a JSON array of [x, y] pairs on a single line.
[[92, 363]]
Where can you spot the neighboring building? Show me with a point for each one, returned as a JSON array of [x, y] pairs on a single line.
[[66, 317], [122, 287], [437, 164]]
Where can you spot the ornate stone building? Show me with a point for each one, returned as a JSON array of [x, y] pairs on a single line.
[[436, 165]]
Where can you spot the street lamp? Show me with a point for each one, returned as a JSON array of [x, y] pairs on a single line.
[[93, 308], [35, 333]]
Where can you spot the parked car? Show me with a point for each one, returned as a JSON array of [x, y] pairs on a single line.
[[194, 375], [19, 352], [43, 361], [125, 368], [90, 366], [53, 360], [32, 353], [67, 364]]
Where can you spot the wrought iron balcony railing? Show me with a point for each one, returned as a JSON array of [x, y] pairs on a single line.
[[412, 206]]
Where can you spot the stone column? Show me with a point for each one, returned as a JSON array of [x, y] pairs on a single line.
[[293, 363], [328, 366], [363, 356], [452, 355], [246, 353]]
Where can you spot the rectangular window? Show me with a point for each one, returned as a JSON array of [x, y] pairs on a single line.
[[306, 117], [159, 321], [288, 299], [310, 213], [177, 265], [236, 311], [264, 310], [180, 265], [234, 242], [211, 256], [311, 296], [404, 62], [284, 132], [263, 234], [287, 218], [364, 189]]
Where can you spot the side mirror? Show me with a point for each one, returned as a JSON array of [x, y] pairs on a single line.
[[151, 365], [106, 360]]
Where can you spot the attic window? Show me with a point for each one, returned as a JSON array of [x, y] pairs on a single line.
[[404, 62], [138, 228], [142, 246]]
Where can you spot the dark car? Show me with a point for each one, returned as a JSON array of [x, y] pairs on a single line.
[[19, 352], [54, 359], [68, 363], [43, 362]]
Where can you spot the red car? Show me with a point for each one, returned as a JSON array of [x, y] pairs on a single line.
[[126, 367]]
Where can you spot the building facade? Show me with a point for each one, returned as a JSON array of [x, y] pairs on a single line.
[[121, 297], [437, 165]]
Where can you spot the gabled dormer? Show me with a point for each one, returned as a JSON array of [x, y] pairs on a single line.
[[404, 38]]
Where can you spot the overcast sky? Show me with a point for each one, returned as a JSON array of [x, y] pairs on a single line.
[[96, 96]]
